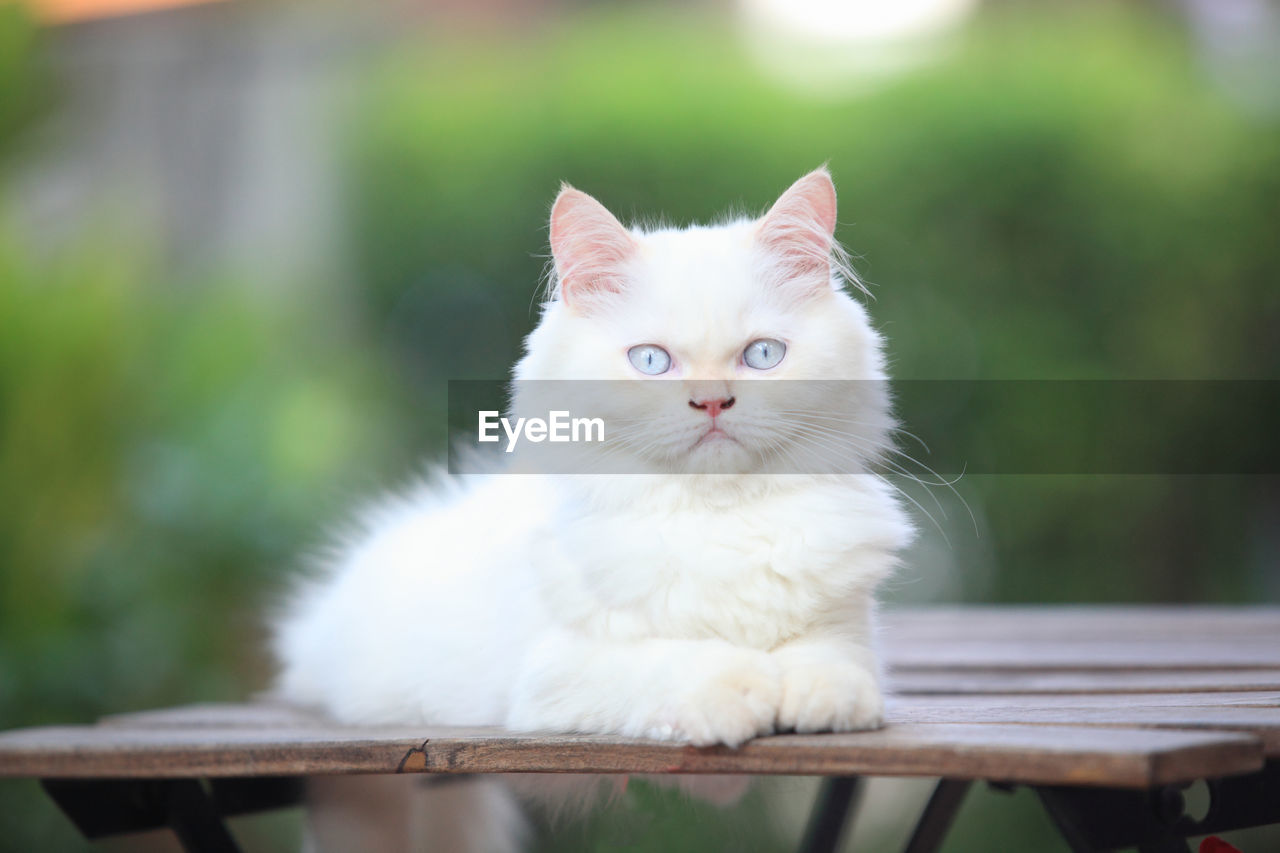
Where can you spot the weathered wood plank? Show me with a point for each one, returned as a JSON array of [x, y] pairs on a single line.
[[1264, 699], [975, 681], [1121, 711], [1189, 652], [1256, 713], [1049, 638], [268, 715], [1058, 622], [1043, 754], [224, 715]]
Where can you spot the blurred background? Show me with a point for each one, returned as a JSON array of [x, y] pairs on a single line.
[[244, 245]]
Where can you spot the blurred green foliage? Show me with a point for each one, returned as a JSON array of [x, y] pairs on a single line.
[[165, 454], [164, 450], [22, 80], [1064, 198], [1061, 197]]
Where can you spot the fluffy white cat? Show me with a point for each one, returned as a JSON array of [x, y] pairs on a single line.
[[722, 594]]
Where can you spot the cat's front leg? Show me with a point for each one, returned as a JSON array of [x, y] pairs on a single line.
[[828, 685], [699, 691], [727, 695]]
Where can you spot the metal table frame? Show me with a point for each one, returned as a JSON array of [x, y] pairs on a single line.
[[1154, 820]]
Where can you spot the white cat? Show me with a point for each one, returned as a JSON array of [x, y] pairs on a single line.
[[721, 595]]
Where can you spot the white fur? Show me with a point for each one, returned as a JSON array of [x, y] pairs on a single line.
[[686, 604]]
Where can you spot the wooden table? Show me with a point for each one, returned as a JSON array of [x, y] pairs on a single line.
[[1107, 713]]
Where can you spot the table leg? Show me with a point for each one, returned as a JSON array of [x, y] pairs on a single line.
[[938, 815], [1155, 820], [100, 808], [829, 819], [195, 821]]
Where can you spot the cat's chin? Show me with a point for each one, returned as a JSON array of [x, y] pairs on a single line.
[[719, 453]]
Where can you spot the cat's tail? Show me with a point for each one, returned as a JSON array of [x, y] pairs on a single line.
[[445, 813]]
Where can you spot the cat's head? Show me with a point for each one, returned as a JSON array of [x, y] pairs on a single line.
[[729, 346]]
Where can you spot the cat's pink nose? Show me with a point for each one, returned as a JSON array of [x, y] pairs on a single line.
[[713, 407]]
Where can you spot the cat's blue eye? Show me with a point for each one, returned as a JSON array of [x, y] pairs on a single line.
[[650, 359], [764, 353]]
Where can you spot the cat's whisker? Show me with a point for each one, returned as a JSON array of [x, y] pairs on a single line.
[[917, 505], [847, 447], [811, 414], [890, 448], [908, 475], [941, 531], [884, 460]]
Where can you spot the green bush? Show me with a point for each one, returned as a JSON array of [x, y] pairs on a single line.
[[1063, 198], [166, 454], [23, 84], [165, 451]]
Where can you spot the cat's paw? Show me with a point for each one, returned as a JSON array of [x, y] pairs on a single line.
[[825, 697], [735, 701]]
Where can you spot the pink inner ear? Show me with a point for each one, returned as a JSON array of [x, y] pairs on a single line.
[[801, 225], [590, 247]]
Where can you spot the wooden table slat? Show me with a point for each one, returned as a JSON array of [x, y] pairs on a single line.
[[1041, 754], [951, 623], [1083, 681], [1261, 699], [1054, 638], [1262, 721], [1184, 654], [1255, 713]]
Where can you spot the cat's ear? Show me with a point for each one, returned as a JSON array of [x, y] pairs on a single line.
[[799, 230], [591, 250]]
